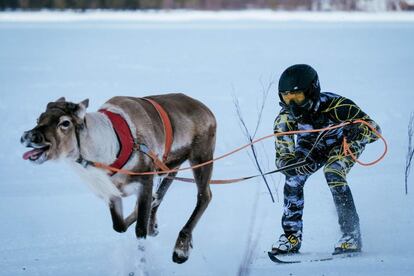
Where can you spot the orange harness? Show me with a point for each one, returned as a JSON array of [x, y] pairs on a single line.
[[168, 131]]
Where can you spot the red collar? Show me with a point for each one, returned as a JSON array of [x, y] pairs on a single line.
[[125, 138]]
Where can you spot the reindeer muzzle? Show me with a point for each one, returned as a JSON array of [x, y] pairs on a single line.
[[35, 140]]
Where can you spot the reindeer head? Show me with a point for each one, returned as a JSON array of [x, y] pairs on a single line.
[[55, 135]]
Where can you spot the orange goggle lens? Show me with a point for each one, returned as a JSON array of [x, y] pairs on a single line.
[[296, 96]]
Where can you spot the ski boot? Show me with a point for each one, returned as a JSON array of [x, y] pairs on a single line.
[[349, 243], [287, 244]]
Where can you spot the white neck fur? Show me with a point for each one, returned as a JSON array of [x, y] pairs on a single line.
[[98, 140], [98, 143]]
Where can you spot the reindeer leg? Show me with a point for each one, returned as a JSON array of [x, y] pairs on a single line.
[[144, 207], [156, 201], [184, 241], [132, 217], [115, 206]]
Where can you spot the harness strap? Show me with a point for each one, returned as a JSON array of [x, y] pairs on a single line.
[[82, 161], [125, 138], [168, 131], [158, 163]]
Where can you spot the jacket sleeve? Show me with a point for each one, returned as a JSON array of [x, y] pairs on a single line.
[[284, 144], [343, 110]]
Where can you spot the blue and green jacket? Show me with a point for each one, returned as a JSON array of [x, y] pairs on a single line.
[[331, 109]]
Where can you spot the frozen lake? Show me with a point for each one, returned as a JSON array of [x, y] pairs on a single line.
[[53, 225]]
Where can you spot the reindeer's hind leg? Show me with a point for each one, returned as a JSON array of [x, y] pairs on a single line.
[[202, 177], [156, 201], [158, 196]]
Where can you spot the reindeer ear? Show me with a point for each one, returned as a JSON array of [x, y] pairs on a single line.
[[85, 103], [61, 99], [82, 106]]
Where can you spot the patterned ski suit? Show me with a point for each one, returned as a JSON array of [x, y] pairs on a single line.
[[332, 109]]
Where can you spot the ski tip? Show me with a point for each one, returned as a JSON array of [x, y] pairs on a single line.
[[273, 257]]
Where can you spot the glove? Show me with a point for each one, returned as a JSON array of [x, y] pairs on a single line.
[[308, 168], [314, 156], [352, 132], [313, 160]]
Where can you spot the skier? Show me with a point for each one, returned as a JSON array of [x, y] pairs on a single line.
[[304, 107]]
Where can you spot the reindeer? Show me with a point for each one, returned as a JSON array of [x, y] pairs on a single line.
[[66, 131]]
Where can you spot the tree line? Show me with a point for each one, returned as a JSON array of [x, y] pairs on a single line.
[[209, 4]]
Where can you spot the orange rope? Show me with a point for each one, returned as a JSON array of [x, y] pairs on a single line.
[[347, 150], [128, 172]]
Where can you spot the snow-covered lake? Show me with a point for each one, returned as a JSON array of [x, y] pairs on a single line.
[[51, 224]]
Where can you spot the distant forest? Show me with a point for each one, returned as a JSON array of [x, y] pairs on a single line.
[[315, 5]]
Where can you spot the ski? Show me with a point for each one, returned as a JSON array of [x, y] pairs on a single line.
[[281, 259]]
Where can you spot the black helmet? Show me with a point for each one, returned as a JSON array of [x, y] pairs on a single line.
[[300, 77]]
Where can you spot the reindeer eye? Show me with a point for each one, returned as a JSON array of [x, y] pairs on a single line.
[[65, 124]]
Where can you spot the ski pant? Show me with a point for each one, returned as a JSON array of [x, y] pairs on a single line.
[[336, 168]]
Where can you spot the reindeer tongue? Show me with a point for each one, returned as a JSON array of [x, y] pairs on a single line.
[[31, 153]]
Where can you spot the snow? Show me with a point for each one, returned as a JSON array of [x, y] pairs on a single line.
[[52, 224]]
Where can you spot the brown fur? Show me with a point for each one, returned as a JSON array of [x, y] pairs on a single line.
[[194, 129]]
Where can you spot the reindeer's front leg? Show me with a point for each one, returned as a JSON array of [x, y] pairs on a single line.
[[144, 207], [120, 224], [115, 206], [132, 217]]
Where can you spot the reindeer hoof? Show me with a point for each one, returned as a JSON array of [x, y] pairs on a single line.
[[182, 248], [153, 232], [141, 233], [119, 228], [153, 228], [178, 258]]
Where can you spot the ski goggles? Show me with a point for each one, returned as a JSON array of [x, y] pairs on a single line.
[[296, 96]]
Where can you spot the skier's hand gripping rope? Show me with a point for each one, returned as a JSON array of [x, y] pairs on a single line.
[[306, 162], [352, 132]]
